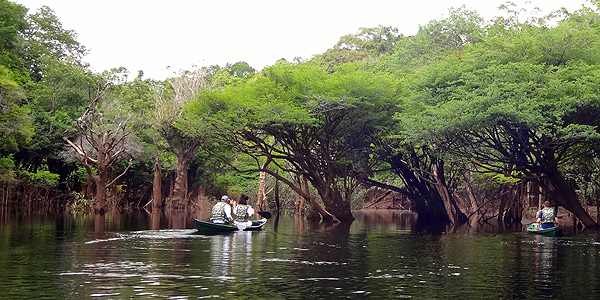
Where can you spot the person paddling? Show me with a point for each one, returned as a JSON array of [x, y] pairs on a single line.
[[221, 212], [547, 217]]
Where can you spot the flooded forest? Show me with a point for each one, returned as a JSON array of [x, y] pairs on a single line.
[[469, 121]]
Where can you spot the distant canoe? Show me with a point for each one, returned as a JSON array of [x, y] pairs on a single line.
[[212, 228], [552, 231]]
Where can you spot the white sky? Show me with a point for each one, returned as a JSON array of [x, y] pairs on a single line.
[[151, 35]]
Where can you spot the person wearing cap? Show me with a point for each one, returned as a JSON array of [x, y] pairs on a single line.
[[221, 212]]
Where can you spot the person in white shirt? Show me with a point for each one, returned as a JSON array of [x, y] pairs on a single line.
[[221, 212], [242, 212]]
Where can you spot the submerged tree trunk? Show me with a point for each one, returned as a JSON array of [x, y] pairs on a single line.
[[157, 187], [474, 212], [456, 216], [181, 180], [100, 198], [300, 201], [332, 200], [261, 202], [424, 196], [566, 196], [276, 192], [513, 212]]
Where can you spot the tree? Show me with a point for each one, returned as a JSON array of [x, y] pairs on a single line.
[[182, 140], [438, 37], [58, 93], [101, 142], [366, 45], [514, 105], [16, 127], [12, 23], [319, 123], [46, 40]]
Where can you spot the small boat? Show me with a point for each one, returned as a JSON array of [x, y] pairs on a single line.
[[211, 228], [552, 231]]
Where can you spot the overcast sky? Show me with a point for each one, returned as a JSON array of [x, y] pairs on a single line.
[[152, 35]]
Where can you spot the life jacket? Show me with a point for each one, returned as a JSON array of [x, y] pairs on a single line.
[[241, 213], [218, 211], [547, 215]]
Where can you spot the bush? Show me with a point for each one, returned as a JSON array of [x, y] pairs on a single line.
[[43, 177]]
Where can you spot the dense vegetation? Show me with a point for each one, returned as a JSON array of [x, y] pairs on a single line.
[[467, 119]]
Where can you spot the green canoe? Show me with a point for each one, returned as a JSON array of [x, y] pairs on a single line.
[[211, 228], [552, 231]]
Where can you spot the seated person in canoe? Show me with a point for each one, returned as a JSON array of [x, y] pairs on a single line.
[[221, 212], [242, 212], [547, 217]]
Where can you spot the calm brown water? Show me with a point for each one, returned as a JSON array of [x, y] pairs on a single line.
[[379, 256]]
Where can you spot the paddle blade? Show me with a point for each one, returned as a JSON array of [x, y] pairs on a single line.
[[240, 226], [264, 214]]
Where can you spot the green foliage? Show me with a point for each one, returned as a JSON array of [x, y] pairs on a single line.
[[80, 174], [7, 166], [12, 22], [46, 40], [15, 124], [43, 177], [526, 95], [367, 45], [80, 204], [437, 38]]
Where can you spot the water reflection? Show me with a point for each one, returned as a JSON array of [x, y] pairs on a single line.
[[376, 256], [99, 220], [155, 219], [221, 253], [546, 257]]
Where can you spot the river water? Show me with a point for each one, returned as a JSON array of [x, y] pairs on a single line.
[[379, 256]]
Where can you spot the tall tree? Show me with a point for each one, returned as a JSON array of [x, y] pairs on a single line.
[[101, 141], [16, 128], [521, 104], [366, 45], [438, 37], [319, 123], [47, 40], [181, 139]]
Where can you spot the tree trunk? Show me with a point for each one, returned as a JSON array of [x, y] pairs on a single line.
[[171, 188], [100, 198], [300, 201], [598, 211], [514, 207], [565, 195], [313, 210], [334, 203], [456, 216], [474, 207], [502, 206], [276, 191], [157, 187], [261, 202], [424, 196], [181, 181]]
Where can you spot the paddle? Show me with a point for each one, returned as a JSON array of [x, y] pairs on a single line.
[[264, 214]]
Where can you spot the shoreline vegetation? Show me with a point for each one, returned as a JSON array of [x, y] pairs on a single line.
[[467, 121]]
